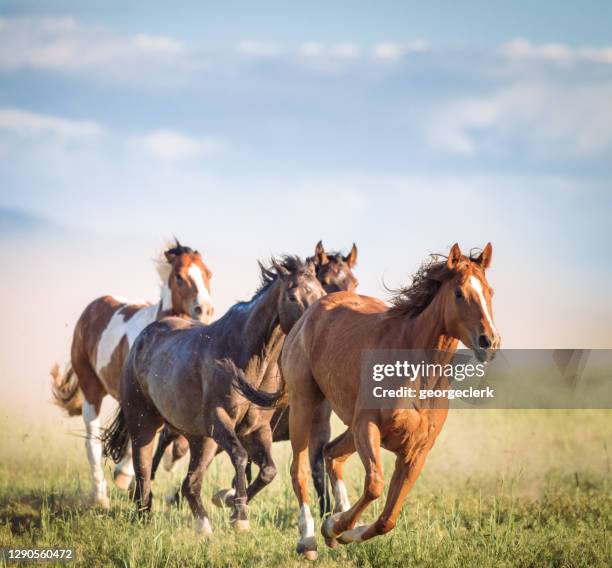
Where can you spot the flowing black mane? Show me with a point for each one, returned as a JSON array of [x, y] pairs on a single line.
[[413, 299], [269, 273]]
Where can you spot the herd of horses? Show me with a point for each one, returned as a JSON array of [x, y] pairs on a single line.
[[272, 368]]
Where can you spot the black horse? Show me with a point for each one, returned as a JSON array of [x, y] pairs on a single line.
[[172, 377]]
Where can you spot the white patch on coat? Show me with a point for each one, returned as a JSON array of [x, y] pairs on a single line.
[[116, 329], [195, 272], [203, 527], [126, 465], [478, 289], [306, 522], [341, 496]]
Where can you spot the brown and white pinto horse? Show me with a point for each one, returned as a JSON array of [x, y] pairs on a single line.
[[448, 302], [102, 339]]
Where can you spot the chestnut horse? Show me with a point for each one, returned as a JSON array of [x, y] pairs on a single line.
[[102, 338], [448, 301], [334, 272], [171, 376]]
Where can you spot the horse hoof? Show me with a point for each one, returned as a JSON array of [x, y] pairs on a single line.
[[173, 499], [327, 528], [100, 501], [353, 535], [203, 528], [307, 547], [240, 525], [224, 497], [123, 481]]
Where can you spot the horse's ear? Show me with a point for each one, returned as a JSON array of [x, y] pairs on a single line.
[[453, 256], [484, 259], [351, 259], [319, 255]]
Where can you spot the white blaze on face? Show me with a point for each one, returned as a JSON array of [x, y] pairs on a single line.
[[475, 283], [195, 273]]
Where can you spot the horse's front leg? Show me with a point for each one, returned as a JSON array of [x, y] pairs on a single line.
[[366, 435], [404, 476]]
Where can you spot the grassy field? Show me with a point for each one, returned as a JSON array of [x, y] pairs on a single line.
[[501, 488]]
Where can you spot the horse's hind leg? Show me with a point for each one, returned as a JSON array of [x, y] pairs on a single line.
[[336, 453], [203, 452], [166, 437], [260, 450], [142, 422], [319, 437], [306, 398], [93, 393], [366, 435], [124, 470], [226, 437]]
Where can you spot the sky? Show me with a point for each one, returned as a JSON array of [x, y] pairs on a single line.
[[251, 129]]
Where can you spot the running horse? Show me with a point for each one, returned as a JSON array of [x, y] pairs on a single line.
[[102, 338], [334, 272], [171, 376], [449, 301]]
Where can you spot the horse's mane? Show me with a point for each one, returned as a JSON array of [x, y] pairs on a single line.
[[426, 281], [163, 267], [269, 273]]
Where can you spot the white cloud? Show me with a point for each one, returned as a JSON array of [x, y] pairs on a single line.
[[29, 123], [258, 49], [522, 49], [551, 120], [171, 146], [391, 51], [345, 50], [312, 49], [158, 44], [66, 45]]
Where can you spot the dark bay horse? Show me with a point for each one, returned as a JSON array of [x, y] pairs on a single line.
[[102, 338], [449, 301], [334, 272], [171, 376]]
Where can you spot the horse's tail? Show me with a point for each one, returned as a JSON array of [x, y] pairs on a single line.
[[246, 389], [66, 391], [115, 438]]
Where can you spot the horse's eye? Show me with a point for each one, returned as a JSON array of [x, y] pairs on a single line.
[[458, 293]]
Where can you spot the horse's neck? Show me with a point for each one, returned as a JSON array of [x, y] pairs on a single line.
[[427, 331], [262, 335]]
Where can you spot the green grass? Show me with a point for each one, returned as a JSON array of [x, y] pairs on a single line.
[[501, 488]]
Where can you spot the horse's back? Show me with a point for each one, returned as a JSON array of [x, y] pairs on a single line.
[[327, 342], [166, 364]]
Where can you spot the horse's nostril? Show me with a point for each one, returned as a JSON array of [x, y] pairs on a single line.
[[198, 310], [484, 342]]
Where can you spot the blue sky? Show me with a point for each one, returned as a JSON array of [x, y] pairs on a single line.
[[257, 128]]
